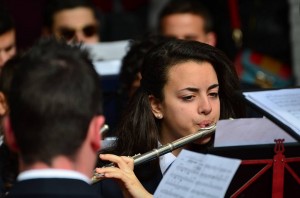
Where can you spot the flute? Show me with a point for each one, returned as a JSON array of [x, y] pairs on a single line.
[[164, 149]]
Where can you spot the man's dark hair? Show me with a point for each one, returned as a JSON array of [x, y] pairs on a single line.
[[54, 95], [54, 6], [187, 6], [6, 21]]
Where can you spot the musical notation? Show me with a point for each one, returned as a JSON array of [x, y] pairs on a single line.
[[197, 175], [283, 105]]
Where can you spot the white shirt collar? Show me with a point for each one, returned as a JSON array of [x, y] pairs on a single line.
[[52, 173], [165, 161]]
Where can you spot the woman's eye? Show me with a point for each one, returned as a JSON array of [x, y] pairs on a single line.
[[214, 95], [187, 98]]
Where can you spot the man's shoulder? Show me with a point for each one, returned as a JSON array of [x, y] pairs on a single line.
[[54, 187]]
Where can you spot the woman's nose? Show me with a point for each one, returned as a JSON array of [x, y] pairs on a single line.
[[204, 106]]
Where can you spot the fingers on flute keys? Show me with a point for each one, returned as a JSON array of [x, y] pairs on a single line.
[[120, 165]]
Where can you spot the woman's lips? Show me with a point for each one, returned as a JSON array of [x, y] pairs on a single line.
[[205, 123]]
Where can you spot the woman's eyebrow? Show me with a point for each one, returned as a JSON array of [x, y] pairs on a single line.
[[194, 89], [191, 89], [213, 86]]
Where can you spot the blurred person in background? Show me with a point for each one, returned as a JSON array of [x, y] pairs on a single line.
[[130, 73], [187, 19], [7, 37], [73, 20], [8, 159]]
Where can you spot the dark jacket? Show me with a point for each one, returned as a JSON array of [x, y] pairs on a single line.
[[148, 175], [50, 188]]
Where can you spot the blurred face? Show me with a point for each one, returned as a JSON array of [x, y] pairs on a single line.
[[188, 27], [3, 105], [7, 46], [135, 84], [78, 24], [191, 101]]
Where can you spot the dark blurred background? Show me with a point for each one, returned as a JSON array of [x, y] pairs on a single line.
[[265, 23]]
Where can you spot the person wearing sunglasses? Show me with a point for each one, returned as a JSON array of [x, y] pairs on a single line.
[[73, 20]]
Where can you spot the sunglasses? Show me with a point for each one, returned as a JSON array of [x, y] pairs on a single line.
[[69, 33]]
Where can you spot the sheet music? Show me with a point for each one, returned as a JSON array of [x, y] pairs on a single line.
[[249, 131], [283, 104], [196, 175]]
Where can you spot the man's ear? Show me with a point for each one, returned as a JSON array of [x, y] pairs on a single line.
[[155, 106], [211, 38], [9, 135], [94, 135], [3, 105]]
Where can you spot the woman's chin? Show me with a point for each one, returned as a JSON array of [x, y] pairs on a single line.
[[203, 140]]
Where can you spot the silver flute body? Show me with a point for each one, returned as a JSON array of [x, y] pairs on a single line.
[[164, 149]]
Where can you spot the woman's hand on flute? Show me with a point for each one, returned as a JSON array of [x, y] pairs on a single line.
[[123, 172]]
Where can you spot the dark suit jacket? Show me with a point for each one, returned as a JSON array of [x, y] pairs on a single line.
[[56, 187], [109, 188]]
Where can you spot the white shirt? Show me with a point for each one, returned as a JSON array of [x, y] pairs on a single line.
[[165, 160], [52, 173]]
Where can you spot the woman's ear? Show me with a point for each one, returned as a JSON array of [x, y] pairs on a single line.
[[3, 105], [156, 107]]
